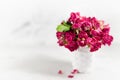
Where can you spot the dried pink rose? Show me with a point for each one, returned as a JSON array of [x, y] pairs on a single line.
[[73, 17], [86, 26], [81, 43], [76, 25], [82, 37], [61, 42], [107, 39], [71, 45], [95, 23], [69, 36], [82, 34], [95, 47], [106, 29], [59, 34]]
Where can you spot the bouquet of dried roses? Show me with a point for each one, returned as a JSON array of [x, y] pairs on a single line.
[[80, 31]]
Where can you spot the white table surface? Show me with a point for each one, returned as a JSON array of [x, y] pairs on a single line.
[[36, 62]]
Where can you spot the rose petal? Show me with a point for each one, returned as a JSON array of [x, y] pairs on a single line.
[[75, 71], [70, 76], [60, 72]]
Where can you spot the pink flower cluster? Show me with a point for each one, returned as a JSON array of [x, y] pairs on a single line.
[[84, 31]]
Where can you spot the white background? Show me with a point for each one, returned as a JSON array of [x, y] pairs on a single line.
[[28, 48]]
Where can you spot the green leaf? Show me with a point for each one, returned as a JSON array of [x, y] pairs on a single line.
[[62, 28]]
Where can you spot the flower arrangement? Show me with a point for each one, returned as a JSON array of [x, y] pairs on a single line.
[[80, 31]]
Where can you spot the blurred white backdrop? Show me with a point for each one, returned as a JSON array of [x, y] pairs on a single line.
[[29, 21], [27, 27]]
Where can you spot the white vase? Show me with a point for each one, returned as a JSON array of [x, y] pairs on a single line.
[[82, 60]]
